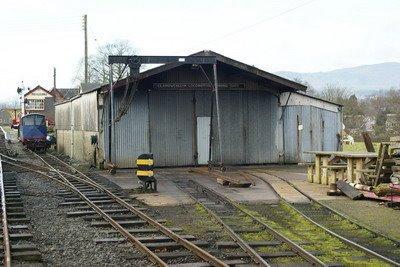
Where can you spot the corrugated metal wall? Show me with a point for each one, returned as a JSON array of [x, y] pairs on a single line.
[[319, 131], [131, 132], [248, 122], [172, 127]]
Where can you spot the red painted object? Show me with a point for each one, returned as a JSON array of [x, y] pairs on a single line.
[[371, 195]]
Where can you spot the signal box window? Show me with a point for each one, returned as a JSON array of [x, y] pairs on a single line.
[[35, 104]]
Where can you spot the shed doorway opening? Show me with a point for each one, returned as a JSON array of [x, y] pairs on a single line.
[[203, 140]]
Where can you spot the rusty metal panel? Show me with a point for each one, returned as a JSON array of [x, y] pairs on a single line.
[[172, 128]]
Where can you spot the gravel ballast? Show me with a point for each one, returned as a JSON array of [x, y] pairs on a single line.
[[65, 241]]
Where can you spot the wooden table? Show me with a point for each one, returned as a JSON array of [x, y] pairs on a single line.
[[324, 158], [321, 159], [357, 158]]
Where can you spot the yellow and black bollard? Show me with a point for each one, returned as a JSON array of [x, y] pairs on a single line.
[[145, 173]]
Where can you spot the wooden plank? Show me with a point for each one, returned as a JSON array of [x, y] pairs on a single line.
[[379, 163], [359, 166], [206, 264], [349, 191], [367, 142], [324, 177], [231, 244], [143, 230], [350, 169], [25, 255], [317, 176], [148, 239], [123, 223], [335, 167]]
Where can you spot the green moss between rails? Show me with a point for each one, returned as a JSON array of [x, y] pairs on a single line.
[[257, 236], [294, 226], [203, 223]]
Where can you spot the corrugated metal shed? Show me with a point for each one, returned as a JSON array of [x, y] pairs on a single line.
[[258, 124], [309, 128]]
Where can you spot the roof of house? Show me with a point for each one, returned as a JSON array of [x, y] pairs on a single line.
[[37, 88], [64, 93], [290, 85]]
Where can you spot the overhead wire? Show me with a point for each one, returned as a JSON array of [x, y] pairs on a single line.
[[261, 21]]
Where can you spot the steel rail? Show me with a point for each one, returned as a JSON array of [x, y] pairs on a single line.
[[6, 236], [296, 248], [373, 231], [347, 241], [139, 245], [185, 243], [242, 244]]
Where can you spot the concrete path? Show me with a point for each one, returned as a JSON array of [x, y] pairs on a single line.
[[168, 194], [315, 191], [288, 193], [259, 193]]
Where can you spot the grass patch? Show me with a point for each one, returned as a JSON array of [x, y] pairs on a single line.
[[358, 147]]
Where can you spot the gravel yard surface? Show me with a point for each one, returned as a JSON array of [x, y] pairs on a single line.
[[66, 241]]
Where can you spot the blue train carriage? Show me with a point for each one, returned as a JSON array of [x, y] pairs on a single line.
[[33, 132]]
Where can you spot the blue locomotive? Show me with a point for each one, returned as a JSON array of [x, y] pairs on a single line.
[[33, 131]]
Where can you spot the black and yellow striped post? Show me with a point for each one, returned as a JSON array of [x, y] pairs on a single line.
[[144, 172]]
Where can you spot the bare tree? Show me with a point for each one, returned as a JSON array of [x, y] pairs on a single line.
[[335, 93], [12, 103], [310, 89], [98, 63]]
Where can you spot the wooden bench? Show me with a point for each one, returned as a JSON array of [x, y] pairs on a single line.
[[336, 172], [310, 170]]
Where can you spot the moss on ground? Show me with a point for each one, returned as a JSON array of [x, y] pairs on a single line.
[[295, 227]]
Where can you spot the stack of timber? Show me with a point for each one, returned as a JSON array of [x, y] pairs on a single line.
[[227, 178]]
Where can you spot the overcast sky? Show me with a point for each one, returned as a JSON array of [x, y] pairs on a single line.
[[294, 35]]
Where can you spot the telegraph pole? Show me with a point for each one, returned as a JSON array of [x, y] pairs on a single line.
[[86, 49], [54, 78]]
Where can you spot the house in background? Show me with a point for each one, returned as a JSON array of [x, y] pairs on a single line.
[[42, 101], [62, 94]]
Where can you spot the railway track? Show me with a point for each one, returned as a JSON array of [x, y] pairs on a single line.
[[330, 249], [260, 243], [104, 207], [17, 242], [340, 226]]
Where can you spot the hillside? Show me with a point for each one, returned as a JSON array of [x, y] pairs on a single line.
[[363, 79]]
